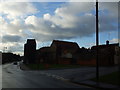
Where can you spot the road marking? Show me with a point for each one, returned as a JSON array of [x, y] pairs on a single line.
[[54, 76]]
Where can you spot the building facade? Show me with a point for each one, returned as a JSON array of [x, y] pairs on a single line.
[[30, 51], [63, 52], [108, 53]]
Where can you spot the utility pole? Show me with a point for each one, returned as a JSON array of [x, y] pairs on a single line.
[[97, 43]]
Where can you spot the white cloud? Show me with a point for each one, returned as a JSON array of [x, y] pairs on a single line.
[[14, 9], [31, 20], [12, 47], [47, 16], [12, 28], [2, 21], [114, 40], [68, 15], [13, 13], [16, 22]]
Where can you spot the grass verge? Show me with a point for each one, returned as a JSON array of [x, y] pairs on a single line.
[[112, 78]]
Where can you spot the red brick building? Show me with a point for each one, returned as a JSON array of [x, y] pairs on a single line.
[[60, 52], [64, 51]]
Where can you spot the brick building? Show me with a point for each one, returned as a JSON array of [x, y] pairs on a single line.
[[63, 52], [30, 51], [60, 52], [108, 53], [85, 56], [45, 55]]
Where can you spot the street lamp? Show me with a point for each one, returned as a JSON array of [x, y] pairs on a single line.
[[97, 42]]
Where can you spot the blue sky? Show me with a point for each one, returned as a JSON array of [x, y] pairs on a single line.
[[46, 21], [47, 7]]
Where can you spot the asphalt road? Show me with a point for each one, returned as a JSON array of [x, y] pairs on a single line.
[[13, 77]]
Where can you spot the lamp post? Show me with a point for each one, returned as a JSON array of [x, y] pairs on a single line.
[[97, 42]]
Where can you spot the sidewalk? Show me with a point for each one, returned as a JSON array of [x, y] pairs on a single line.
[[23, 67], [79, 76], [96, 85]]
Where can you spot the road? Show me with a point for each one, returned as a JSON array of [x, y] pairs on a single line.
[[13, 77], [0, 76], [80, 74]]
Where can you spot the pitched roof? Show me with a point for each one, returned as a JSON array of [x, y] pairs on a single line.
[[65, 44]]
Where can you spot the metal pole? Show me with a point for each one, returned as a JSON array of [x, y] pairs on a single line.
[[97, 42]]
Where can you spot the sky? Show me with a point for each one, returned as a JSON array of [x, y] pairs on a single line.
[[47, 21]]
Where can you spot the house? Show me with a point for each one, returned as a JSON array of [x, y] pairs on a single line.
[[85, 57], [45, 55], [64, 51], [108, 53], [60, 52]]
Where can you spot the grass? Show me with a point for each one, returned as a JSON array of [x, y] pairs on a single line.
[[49, 66], [112, 78]]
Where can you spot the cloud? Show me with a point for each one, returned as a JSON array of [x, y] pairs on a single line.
[[108, 17], [65, 23], [14, 47], [114, 40], [69, 21], [14, 9], [10, 38], [13, 27], [68, 15]]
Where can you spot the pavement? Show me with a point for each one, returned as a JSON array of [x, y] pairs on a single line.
[[23, 66], [79, 76]]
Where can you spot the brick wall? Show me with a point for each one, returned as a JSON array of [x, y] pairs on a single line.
[[87, 62]]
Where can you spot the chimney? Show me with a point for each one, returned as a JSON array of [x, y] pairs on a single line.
[[107, 42]]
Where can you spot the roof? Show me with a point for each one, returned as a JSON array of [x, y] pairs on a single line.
[[44, 49], [65, 44], [105, 46]]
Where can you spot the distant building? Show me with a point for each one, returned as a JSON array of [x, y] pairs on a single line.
[[10, 57], [30, 51]]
